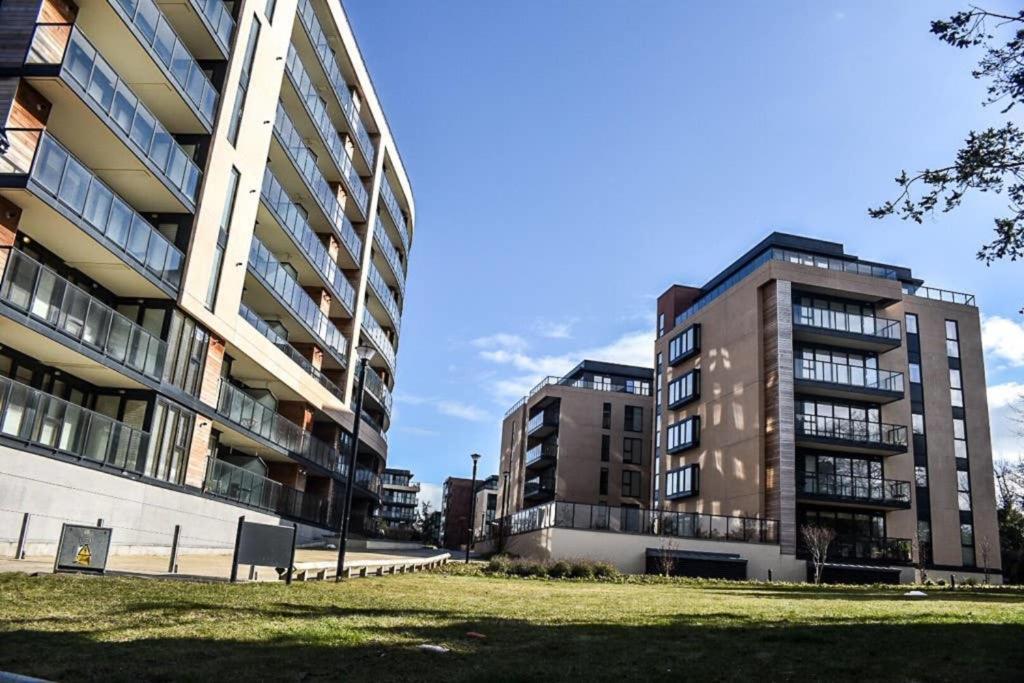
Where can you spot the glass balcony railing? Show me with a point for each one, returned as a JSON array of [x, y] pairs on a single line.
[[854, 431], [375, 385], [237, 484], [43, 420], [368, 480], [840, 321], [546, 418], [854, 489], [541, 452], [390, 255], [305, 163], [280, 342], [317, 111], [289, 292], [289, 216], [98, 82], [246, 412], [215, 14], [396, 213], [84, 195], [848, 375], [45, 296], [159, 36], [936, 294], [379, 338], [387, 299], [325, 53], [846, 548], [538, 487]]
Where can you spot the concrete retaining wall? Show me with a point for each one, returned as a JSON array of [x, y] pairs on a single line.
[[142, 515]]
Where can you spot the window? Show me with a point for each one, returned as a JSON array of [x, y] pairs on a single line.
[[634, 419], [952, 339], [602, 383], [638, 387], [243, 81], [956, 389], [684, 389], [170, 435], [959, 438], [661, 324], [602, 486], [187, 346], [911, 323], [915, 373], [268, 11], [684, 345], [630, 484], [606, 416], [917, 423], [921, 476], [683, 434], [606, 447], [682, 482], [226, 215], [844, 367], [963, 491], [967, 544], [632, 451], [924, 539]]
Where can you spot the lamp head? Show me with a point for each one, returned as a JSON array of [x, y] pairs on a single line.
[[475, 456], [365, 353]]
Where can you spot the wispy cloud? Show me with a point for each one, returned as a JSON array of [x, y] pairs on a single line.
[[500, 340], [1003, 340], [1001, 395], [1006, 442], [463, 411], [420, 431], [551, 329]]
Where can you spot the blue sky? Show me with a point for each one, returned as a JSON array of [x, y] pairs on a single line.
[[571, 160]]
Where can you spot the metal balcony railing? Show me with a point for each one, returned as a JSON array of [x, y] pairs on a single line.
[[939, 294], [391, 202], [220, 22], [856, 431], [377, 335], [854, 489], [375, 385], [541, 451], [390, 255], [237, 484], [841, 321], [848, 375], [387, 299]]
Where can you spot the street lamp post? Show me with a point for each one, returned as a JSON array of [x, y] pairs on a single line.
[[365, 354], [472, 507]]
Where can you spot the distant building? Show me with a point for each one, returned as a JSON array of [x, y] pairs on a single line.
[[456, 498], [486, 505], [399, 499]]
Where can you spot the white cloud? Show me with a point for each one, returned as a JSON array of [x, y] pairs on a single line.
[[501, 340], [554, 330], [1001, 395], [1003, 339], [430, 493], [1006, 443], [419, 431], [463, 411], [410, 399]]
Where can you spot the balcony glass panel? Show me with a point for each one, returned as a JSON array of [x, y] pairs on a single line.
[[871, 490], [845, 429], [390, 255], [849, 375], [249, 488], [841, 321], [375, 385], [380, 338], [396, 213], [221, 23], [386, 297], [41, 293]]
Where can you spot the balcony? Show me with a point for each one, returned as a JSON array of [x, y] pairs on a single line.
[[289, 295], [851, 436], [541, 456], [368, 480], [106, 123], [853, 491], [320, 129], [380, 340], [542, 424], [152, 58], [867, 550], [206, 28], [838, 328], [75, 215], [936, 294], [239, 485], [537, 490], [391, 257], [325, 58], [250, 316], [244, 412], [379, 391], [395, 212], [45, 421], [82, 323], [384, 298], [317, 267], [836, 380]]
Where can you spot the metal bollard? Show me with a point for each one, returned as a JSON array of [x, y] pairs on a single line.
[[19, 553], [769, 576], [172, 566]]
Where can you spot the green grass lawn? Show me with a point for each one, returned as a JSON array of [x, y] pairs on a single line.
[[87, 628]]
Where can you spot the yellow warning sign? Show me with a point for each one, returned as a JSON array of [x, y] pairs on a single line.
[[83, 555]]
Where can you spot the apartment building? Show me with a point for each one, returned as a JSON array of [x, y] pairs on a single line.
[[203, 214], [456, 499], [806, 386], [399, 499], [486, 506], [581, 438]]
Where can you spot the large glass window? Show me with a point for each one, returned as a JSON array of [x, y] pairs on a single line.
[[606, 416], [856, 422], [684, 389], [684, 345], [967, 544], [683, 434], [188, 344], [682, 482], [634, 419], [956, 389], [632, 451], [952, 339], [171, 433], [226, 216], [243, 81], [963, 491], [630, 483]]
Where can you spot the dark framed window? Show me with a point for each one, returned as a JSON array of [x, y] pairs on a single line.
[[967, 544], [634, 419], [684, 389], [684, 345], [606, 447], [683, 434], [952, 339], [632, 451], [630, 483], [606, 416], [243, 81], [226, 216], [171, 433], [187, 347], [682, 482], [602, 484]]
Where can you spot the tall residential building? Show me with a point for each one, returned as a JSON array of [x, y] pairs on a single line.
[[456, 499], [805, 385], [399, 499], [486, 506], [581, 438], [202, 214]]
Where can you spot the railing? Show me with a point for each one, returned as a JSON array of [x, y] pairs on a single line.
[[375, 385], [849, 375], [237, 484], [368, 479], [939, 294], [154, 29], [84, 195], [325, 53], [251, 317], [246, 412], [220, 21], [855, 489], [289, 216], [638, 388], [290, 293], [398, 513], [540, 451], [841, 321], [82, 64], [866, 549], [396, 213], [557, 514], [789, 256], [390, 255], [317, 111], [305, 162], [858, 431], [40, 419], [398, 497], [542, 419], [387, 299], [538, 487], [380, 339], [51, 299]]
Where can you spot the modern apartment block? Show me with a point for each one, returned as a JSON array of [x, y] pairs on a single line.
[[399, 499], [581, 438], [203, 214], [807, 386], [456, 499], [486, 506]]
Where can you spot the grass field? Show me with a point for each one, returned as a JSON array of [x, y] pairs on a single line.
[[85, 628]]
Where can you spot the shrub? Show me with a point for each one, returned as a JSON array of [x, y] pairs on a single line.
[[581, 569], [559, 569], [525, 567], [499, 564], [606, 570]]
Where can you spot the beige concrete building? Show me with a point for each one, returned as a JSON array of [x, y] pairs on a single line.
[[806, 386], [399, 499], [581, 438], [202, 214], [485, 509]]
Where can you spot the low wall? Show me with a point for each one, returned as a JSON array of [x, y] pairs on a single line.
[[142, 515]]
